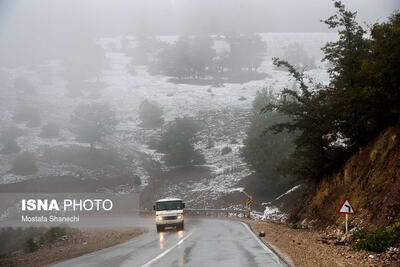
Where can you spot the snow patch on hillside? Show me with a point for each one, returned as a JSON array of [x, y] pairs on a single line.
[[223, 112]]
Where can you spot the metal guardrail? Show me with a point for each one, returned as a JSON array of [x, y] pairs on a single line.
[[217, 212], [208, 212]]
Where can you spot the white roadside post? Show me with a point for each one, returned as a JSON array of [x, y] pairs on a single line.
[[346, 208]]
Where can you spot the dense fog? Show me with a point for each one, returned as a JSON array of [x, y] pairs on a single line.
[[161, 97], [50, 26]]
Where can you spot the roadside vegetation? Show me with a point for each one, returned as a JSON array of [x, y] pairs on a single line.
[[18, 246], [28, 239], [332, 122], [378, 240], [263, 150]]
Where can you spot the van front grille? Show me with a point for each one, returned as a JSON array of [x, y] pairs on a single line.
[[170, 217]]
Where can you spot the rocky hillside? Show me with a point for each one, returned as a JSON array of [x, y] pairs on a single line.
[[370, 179]]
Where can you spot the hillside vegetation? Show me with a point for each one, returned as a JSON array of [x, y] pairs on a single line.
[[346, 133], [370, 179]]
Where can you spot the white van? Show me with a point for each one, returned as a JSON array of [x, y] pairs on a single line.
[[169, 212]]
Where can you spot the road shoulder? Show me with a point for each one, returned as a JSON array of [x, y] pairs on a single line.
[[74, 244], [304, 247], [284, 258]]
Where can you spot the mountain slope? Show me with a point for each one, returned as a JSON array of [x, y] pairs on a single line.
[[371, 181]]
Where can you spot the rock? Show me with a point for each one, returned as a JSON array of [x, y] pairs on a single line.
[[339, 243], [261, 234], [371, 256]]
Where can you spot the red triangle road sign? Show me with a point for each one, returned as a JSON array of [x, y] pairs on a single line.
[[346, 208]]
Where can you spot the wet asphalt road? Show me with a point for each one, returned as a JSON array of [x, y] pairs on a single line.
[[204, 242]]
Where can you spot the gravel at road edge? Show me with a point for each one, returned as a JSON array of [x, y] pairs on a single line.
[[301, 247]]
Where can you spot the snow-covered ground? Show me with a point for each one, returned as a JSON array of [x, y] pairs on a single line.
[[219, 108]]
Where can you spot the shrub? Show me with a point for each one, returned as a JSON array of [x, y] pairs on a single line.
[[136, 180], [226, 150], [10, 146], [53, 234], [50, 130], [29, 239], [263, 150], [150, 114], [210, 143], [177, 143], [30, 246], [183, 154], [25, 164], [377, 241], [92, 122], [7, 139]]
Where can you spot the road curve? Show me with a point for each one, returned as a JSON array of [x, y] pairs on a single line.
[[204, 242]]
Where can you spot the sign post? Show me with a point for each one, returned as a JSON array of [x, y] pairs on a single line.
[[346, 208], [249, 203]]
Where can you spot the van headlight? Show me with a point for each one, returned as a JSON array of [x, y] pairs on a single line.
[[180, 216], [158, 218]]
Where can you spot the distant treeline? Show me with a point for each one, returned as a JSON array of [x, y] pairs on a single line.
[[200, 56]]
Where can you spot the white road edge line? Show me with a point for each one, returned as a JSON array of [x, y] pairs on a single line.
[[261, 243], [168, 250]]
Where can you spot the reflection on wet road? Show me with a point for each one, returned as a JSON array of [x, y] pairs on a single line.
[[204, 242]]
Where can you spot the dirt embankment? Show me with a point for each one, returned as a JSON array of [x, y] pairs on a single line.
[[371, 181], [73, 244], [306, 247]]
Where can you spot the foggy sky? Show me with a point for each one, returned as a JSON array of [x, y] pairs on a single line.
[[50, 24]]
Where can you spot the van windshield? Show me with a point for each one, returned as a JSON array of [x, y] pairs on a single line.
[[169, 205]]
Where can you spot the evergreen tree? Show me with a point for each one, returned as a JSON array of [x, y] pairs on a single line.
[[177, 143], [310, 117], [150, 113], [263, 151], [362, 99], [346, 56], [92, 122], [246, 52], [297, 56]]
